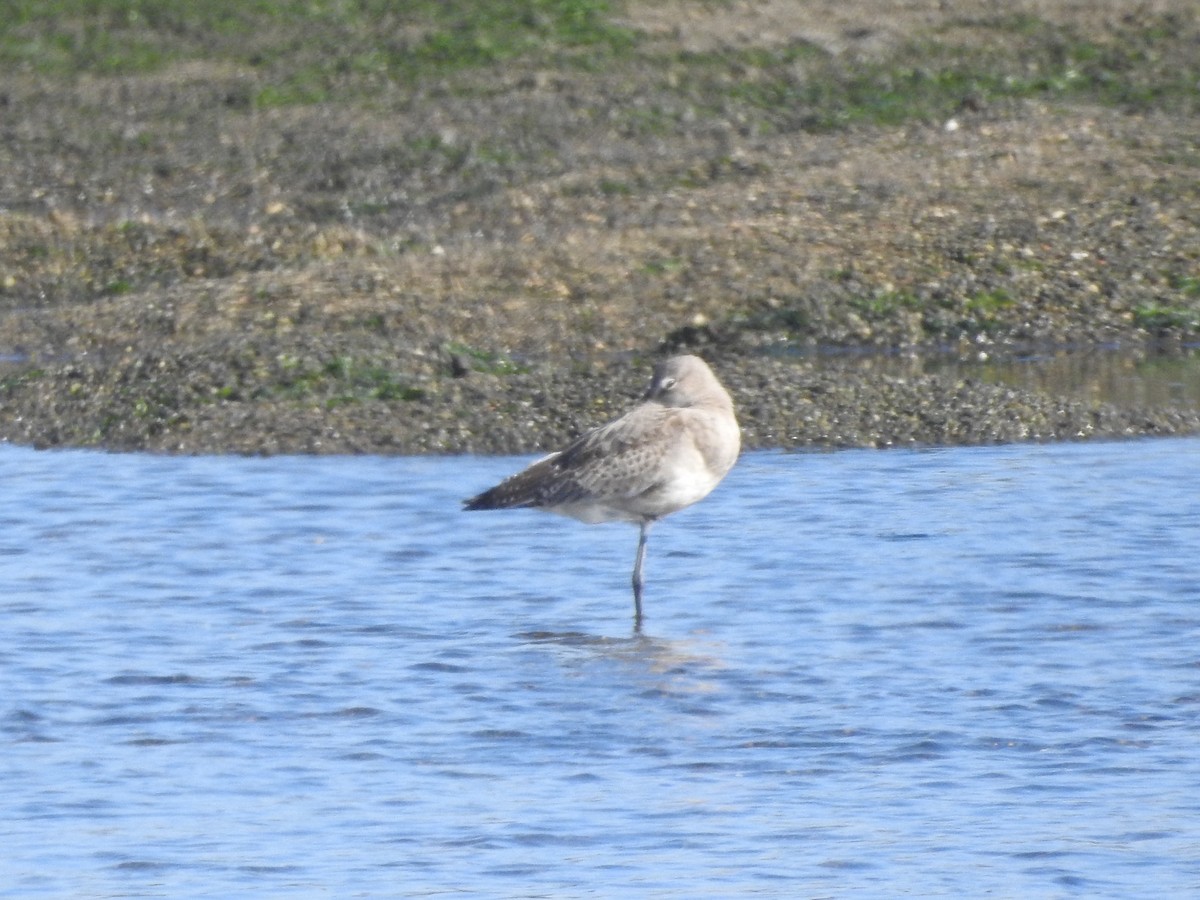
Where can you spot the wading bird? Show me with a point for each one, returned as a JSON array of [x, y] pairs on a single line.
[[666, 453]]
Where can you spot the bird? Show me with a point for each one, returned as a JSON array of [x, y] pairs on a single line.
[[665, 454]]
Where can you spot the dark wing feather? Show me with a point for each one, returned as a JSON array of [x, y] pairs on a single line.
[[620, 459]]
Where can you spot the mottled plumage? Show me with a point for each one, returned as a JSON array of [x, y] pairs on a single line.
[[664, 454]]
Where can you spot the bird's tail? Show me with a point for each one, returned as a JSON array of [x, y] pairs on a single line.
[[528, 488]]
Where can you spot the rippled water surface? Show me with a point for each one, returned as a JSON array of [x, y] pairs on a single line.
[[946, 673]]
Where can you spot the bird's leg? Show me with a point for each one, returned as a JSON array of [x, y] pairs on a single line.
[[638, 581]]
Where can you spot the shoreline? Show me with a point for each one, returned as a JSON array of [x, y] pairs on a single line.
[[253, 243], [781, 404]]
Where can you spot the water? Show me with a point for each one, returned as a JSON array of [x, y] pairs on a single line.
[[944, 673], [1129, 377]]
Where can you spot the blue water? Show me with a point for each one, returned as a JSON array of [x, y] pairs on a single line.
[[947, 673]]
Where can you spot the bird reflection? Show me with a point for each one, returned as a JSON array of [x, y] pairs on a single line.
[[655, 655]]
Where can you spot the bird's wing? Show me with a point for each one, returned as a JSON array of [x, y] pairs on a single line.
[[623, 458], [620, 460]]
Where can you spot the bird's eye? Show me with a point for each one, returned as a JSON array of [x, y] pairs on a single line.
[[667, 384]]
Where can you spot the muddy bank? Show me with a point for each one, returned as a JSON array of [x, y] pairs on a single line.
[[259, 399], [489, 259]]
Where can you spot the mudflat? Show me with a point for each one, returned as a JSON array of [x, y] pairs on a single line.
[[470, 227]]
